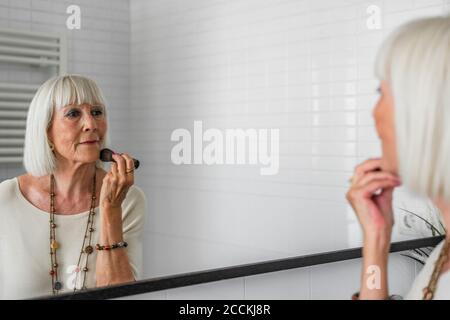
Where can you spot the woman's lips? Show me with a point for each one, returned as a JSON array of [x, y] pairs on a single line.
[[89, 142]]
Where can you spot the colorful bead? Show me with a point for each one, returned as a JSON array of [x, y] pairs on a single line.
[[58, 285], [54, 245], [121, 244], [53, 225], [85, 269], [52, 272], [89, 249]]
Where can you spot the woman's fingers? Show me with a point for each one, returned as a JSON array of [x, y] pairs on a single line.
[[370, 189], [368, 178], [114, 170], [121, 165], [375, 175], [370, 183], [129, 162], [363, 168], [370, 195], [368, 165], [118, 181]]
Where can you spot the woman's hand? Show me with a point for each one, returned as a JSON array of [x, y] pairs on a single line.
[[370, 195], [113, 267], [117, 181]]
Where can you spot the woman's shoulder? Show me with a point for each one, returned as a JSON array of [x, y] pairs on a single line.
[[10, 190], [135, 198], [7, 188], [8, 183], [422, 279], [136, 193]]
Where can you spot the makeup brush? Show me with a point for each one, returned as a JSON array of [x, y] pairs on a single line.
[[106, 155]]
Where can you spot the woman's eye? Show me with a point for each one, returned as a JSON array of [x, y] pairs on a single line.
[[72, 114], [97, 112]]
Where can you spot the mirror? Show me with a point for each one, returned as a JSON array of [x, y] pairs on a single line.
[[248, 117]]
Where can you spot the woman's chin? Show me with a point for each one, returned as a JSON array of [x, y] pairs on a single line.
[[388, 166], [92, 157]]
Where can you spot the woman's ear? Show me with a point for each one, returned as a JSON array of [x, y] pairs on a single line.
[[52, 146], [50, 138]]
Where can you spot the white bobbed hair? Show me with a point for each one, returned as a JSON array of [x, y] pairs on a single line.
[[415, 62], [57, 92]]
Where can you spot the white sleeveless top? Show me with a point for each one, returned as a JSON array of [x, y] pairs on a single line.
[[24, 243], [443, 286]]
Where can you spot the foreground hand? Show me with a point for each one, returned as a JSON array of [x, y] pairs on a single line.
[[370, 195]]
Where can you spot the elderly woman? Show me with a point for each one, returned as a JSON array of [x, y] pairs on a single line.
[[67, 224], [413, 122]]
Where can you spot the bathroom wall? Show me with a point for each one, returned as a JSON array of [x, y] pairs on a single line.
[[302, 66], [99, 49]]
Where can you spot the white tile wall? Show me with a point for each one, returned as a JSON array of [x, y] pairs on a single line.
[[100, 50], [304, 66]]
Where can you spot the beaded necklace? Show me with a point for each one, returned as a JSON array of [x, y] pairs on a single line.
[[54, 245], [428, 291]]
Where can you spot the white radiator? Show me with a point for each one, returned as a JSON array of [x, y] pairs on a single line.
[[24, 48]]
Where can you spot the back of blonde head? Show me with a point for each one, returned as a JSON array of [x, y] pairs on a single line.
[[415, 61]]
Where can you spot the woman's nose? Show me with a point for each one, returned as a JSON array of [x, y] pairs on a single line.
[[89, 123]]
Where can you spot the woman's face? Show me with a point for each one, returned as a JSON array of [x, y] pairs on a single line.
[[72, 126], [383, 115]]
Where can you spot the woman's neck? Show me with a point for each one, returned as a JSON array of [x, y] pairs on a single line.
[[75, 181]]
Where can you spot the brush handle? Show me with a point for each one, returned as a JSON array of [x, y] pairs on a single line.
[[106, 156], [136, 163]]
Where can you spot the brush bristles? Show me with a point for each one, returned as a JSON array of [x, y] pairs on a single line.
[[106, 155]]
